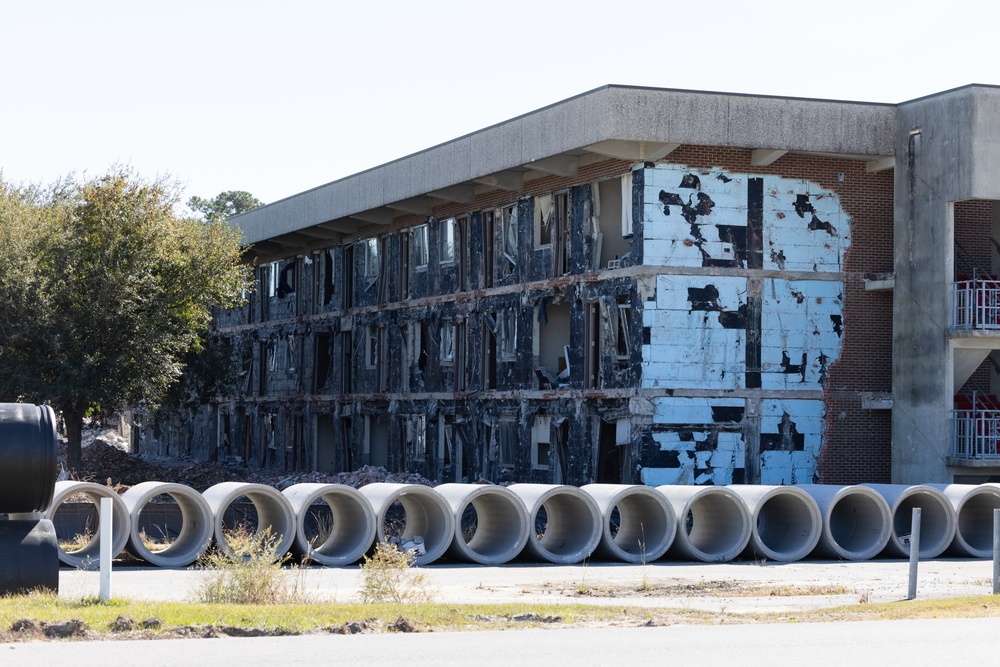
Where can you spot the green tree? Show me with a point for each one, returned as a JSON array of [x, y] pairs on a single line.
[[224, 205], [104, 290]]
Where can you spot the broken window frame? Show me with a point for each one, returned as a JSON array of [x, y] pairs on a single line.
[[505, 440], [562, 256], [623, 328], [420, 250], [544, 217], [371, 347], [273, 273], [287, 278], [508, 233], [446, 241], [371, 259], [291, 354], [272, 357], [508, 333], [447, 345], [541, 435], [416, 437]]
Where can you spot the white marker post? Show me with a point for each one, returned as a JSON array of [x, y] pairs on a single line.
[[996, 552], [914, 553], [106, 538]]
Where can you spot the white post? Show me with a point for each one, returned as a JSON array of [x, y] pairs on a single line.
[[914, 552], [105, 538], [996, 552]]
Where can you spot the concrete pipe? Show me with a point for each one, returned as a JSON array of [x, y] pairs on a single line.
[[427, 524], [857, 521], [643, 528], [27, 457], [87, 529], [937, 519], [183, 545], [273, 510], [345, 523], [973, 505], [565, 522], [713, 523], [500, 529], [785, 521]]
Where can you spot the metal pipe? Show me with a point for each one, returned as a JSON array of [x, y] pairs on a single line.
[[351, 529], [184, 544], [274, 512], [713, 523], [495, 527], [426, 516], [638, 524], [785, 521], [571, 527], [937, 518], [856, 521]]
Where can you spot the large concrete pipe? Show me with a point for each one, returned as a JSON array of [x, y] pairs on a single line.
[[638, 524], [88, 531], [344, 523], [273, 510], [427, 522], [785, 521], [713, 523], [27, 457], [973, 505], [937, 519], [857, 521], [496, 525], [565, 522], [30, 556], [185, 543]]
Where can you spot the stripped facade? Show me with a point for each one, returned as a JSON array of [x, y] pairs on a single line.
[[634, 285]]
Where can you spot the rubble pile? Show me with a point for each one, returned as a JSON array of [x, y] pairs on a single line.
[[104, 462]]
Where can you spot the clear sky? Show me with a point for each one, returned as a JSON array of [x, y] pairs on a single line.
[[280, 97]]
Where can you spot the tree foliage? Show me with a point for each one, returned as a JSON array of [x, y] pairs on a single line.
[[224, 205], [104, 291]]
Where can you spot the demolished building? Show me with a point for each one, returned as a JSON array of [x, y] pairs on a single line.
[[635, 285]]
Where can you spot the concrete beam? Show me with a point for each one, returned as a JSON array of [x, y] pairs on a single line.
[[376, 216], [633, 151], [415, 205], [344, 226], [460, 194], [318, 232], [880, 164], [557, 165], [763, 157], [504, 180], [293, 240]]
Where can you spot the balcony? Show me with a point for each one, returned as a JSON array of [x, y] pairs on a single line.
[[975, 427], [976, 303]]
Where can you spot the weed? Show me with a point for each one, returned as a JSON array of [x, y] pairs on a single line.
[[863, 598], [387, 575], [252, 574], [156, 544]]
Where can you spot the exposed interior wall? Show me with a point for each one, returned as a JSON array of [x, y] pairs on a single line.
[[760, 312]]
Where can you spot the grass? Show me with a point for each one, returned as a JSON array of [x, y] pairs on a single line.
[[185, 619]]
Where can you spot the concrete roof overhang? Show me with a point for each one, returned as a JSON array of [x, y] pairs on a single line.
[[630, 123]]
